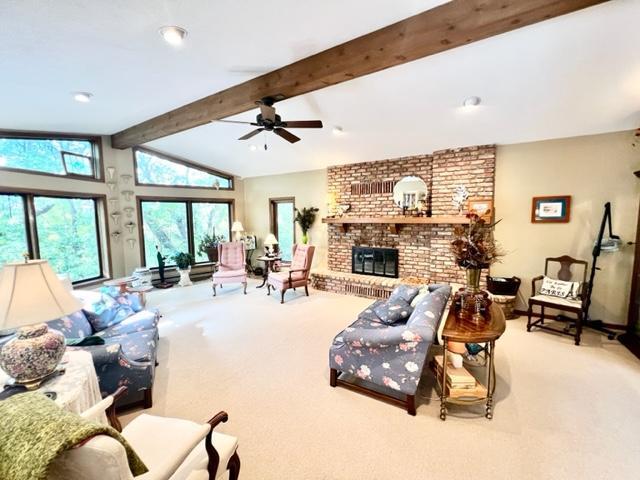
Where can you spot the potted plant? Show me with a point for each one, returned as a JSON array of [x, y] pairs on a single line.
[[305, 219], [209, 246], [474, 248], [184, 261]]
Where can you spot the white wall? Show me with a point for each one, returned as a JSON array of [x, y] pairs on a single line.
[[593, 170], [308, 188]]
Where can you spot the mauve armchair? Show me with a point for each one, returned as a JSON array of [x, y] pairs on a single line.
[[297, 275], [231, 266]]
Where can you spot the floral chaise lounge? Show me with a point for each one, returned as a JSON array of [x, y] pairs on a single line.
[[130, 335], [388, 344]]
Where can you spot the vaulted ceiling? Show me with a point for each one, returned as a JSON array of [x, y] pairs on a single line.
[[573, 75]]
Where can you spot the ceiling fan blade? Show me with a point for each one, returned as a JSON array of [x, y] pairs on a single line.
[[268, 113], [303, 124], [234, 121], [288, 136], [251, 134]]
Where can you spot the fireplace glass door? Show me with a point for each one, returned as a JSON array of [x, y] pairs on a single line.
[[381, 262]]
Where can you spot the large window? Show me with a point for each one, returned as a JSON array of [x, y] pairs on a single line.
[[283, 225], [179, 225], [63, 156], [153, 168], [65, 230]]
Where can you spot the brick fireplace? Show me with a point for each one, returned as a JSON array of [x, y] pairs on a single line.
[[423, 249]]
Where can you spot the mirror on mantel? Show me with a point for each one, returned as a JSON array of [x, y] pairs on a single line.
[[410, 193]]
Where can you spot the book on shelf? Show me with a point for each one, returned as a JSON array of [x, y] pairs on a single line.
[[456, 377]]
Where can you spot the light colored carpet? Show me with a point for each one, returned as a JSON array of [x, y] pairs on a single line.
[[562, 411]]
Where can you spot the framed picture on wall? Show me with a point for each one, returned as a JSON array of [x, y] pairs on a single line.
[[555, 209], [483, 207]]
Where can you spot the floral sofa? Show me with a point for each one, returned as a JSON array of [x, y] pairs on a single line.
[[388, 344], [127, 337]]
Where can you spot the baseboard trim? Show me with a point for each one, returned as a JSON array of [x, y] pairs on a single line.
[[612, 326]]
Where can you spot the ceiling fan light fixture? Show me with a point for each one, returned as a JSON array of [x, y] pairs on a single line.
[[473, 101], [253, 148], [173, 34], [82, 97]]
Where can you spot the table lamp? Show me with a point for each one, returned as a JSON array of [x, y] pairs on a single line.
[[269, 243], [30, 294], [237, 230]]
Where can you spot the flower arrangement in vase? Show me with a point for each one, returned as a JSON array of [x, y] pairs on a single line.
[[474, 248]]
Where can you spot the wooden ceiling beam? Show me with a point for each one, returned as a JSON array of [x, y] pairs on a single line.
[[442, 28]]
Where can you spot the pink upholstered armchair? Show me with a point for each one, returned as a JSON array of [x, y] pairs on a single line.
[[297, 275], [231, 265]]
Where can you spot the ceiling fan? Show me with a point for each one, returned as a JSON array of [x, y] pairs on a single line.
[[268, 121]]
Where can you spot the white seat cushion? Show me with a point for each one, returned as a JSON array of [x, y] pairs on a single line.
[[564, 302], [196, 463], [163, 443]]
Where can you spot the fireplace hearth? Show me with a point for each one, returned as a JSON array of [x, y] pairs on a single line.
[[380, 262]]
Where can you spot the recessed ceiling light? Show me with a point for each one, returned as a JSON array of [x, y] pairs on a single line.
[[173, 35], [337, 130], [253, 148], [471, 101], [83, 97]]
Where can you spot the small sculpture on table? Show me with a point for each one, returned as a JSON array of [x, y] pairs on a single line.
[[161, 258]]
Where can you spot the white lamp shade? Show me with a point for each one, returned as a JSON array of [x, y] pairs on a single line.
[[237, 227], [32, 293], [271, 240]]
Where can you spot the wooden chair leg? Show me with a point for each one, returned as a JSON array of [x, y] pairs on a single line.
[[529, 313], [268, 289], [333, 377], [541, 315], [245, 287], [214, 289], [234, 466], [578, 329], [306, 290], [282, 296], [411, 405]]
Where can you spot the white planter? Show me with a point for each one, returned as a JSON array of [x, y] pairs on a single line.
[[185, 280]]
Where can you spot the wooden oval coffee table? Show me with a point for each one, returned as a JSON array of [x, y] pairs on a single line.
[[467, 330]]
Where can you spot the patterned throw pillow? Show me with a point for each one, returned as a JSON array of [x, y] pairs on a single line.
[[105, 311], [422, 292], [560, 288], [393, 311], [404, 292]]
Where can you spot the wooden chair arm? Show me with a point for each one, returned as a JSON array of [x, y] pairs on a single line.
[[108, 406], [296, 270], [214, 457], [533, 283]]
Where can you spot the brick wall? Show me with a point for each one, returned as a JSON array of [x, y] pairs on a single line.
[[423, 249]]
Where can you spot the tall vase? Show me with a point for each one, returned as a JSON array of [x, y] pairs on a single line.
[[473, 279], [305, 238]]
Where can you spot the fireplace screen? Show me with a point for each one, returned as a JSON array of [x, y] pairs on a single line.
[[382, 262]]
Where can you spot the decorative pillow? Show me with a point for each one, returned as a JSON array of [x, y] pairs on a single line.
[[106, 312], [423, 292], [131, 300], [404, 292], [560, 288], [393, 311]]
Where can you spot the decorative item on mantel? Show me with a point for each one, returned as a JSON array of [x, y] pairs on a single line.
[[460, 197], [474, 248], [305, 219], [127, 194], [130, 226], [343, 208], [184, 261]]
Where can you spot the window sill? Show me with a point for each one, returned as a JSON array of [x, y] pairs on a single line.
[[90, 283]]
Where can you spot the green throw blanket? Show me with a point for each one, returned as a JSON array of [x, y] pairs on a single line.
[[34, 431]]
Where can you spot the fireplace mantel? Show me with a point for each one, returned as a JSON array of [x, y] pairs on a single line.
[[395, 222]]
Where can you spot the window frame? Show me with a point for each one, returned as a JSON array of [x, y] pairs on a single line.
[[273, 215], [103, 236], [180, 161], [96, 142], [191, 241]]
